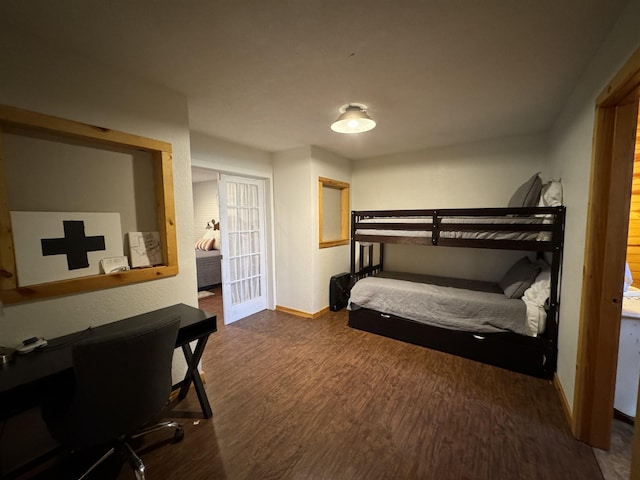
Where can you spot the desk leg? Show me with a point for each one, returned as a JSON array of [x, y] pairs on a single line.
[[192, 375]]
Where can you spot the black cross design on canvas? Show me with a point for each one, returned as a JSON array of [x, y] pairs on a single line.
[[75, 244]]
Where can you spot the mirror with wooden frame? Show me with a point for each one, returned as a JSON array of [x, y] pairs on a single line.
[[333, 212], [49, 164]]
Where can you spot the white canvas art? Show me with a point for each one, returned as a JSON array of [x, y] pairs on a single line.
[[51, 246], [144, 249]]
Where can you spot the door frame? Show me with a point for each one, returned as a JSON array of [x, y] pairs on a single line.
[[269, 218], [605, 251]]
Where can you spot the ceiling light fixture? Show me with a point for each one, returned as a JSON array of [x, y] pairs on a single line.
[[353, 119]]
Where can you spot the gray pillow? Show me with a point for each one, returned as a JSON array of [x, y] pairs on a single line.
[[519, 277], [527, 194]]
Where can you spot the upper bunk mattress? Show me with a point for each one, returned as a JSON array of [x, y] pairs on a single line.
[[484, 310], [487, 234]]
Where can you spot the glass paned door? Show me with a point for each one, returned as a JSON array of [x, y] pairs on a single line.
[[242, 235]]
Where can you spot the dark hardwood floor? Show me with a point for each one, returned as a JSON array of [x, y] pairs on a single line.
[[314, 399]]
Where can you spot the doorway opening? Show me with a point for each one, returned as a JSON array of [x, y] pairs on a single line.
[[206, 232]]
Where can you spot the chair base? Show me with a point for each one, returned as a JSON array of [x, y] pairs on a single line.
[[123, 448]]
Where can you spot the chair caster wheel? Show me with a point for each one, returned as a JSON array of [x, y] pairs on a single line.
[[179, 435]]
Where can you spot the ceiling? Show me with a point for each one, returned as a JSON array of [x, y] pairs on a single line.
[[272, 74]]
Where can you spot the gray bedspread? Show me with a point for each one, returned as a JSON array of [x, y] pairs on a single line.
[[480, 308], [208, 268]]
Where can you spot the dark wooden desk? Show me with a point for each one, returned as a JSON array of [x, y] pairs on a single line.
[[23, 381]]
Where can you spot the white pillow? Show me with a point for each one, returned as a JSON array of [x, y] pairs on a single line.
[[551, 194], [217, 245], [536, 318], [535, 297], [205, 244], [209, 234], [207, 241], [539, 290]]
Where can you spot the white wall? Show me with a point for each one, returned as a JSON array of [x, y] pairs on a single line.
[[570, 158], [38, 77], [46, 80], [229, 157], [294, 206], [80, 178], [333, 260], [483, 174], [303, 269], [206, 207]]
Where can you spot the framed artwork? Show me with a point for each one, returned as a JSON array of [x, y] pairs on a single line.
[[23, 132], [52, 246], [144, 249]]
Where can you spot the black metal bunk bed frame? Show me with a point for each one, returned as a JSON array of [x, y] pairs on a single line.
[[535, 356]]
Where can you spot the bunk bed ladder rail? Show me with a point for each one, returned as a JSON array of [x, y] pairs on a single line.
[[368, 269], [435, 233], [352, 267], [553, 315]]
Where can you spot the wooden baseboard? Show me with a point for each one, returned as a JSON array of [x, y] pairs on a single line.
[[563, 401], [321, 312], [299, 313]]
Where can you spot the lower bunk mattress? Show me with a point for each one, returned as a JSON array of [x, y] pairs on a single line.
[[471, 319]]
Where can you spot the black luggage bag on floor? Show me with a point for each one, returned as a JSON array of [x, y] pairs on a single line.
[[339, 287]]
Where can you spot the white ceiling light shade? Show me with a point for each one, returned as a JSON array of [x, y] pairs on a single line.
[[353, 119]]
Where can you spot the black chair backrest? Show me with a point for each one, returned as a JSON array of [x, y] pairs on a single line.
[[122, 381]]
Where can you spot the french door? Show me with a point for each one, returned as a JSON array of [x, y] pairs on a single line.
[[242, 234]]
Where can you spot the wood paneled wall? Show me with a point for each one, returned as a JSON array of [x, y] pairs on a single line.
[[633, 242]]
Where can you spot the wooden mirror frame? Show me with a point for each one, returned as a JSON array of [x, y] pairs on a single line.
[[344, 212], [10, 292]]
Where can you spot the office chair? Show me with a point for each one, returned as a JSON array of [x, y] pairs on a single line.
[[121, 383]]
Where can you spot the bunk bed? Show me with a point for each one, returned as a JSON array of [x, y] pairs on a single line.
[[490, 323]]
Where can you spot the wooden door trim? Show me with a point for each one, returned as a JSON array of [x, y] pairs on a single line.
[[607, 224]]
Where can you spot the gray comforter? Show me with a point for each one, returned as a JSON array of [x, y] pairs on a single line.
[[480, 308]]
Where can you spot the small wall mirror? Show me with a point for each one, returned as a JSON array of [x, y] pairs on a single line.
[[50, 165], [333, 212]]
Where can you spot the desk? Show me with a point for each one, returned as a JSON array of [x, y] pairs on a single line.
[[24, 380]]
